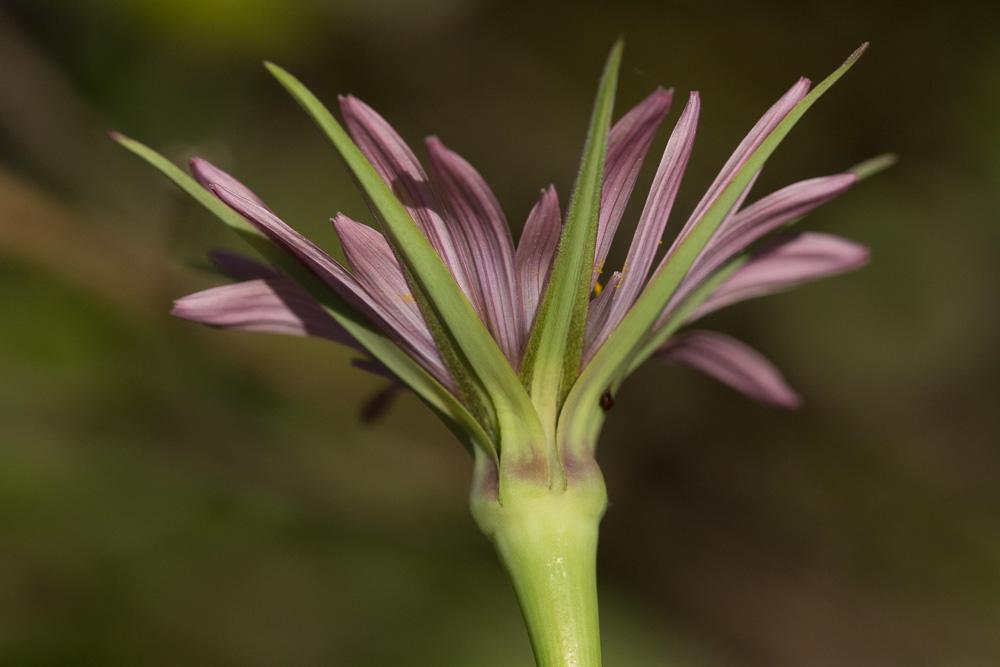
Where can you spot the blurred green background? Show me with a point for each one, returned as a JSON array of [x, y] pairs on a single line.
[[171, 495]]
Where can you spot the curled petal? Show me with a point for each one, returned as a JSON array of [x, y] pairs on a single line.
[[788, 263], [628, 143], [271, 305], [732, 363], [535, 251], [473, 208]]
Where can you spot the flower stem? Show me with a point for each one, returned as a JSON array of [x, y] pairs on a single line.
[[547, 542]]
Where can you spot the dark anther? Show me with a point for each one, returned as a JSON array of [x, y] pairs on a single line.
[[607, 401]]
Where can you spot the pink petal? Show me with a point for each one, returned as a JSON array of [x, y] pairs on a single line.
[[400, 169], [207, 174], [767, 215], [272, 305], [535, 251], [380, 276], [732, 363], [756, 221], [628, 143], [790, 262], [472, 206], [334, 275], [653, 220], [771, 118]]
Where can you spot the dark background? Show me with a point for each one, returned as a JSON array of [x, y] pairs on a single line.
[[171, 495]]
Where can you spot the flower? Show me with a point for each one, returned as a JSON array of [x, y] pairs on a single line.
[[521, 348], [463, 222]]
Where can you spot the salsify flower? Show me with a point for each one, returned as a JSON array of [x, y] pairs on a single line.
[[520, 348]]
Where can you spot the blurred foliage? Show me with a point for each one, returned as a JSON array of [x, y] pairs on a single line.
[[171, 495]]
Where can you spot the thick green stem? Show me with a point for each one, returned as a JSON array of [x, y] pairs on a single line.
[[547, 541]]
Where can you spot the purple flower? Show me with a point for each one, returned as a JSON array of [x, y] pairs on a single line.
[[520, 348], [388, 291]]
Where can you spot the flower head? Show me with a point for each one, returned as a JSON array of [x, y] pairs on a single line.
[[518, 347]]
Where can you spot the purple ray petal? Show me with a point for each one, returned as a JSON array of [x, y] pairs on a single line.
[[756, 221], [732, 363], [790, 262], [767, 215], [750, 143], [472, 205], [628, 142], [653, 220], [535, 251], [399, 167], [240, 267], [273, 305], [334, 275], [207, 174], [600, 306], [379, 274]]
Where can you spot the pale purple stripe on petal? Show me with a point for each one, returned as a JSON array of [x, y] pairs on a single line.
[[628, 143], [471, 204], [207, 174], [649, 232], [379, 274], [334, 275], [732, 363], [756, 221], [535, 250], [788, 263], [767, 215], [272, 305], [750, 143], [400, 169]]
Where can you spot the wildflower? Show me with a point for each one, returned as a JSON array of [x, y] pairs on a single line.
[[521, 348]]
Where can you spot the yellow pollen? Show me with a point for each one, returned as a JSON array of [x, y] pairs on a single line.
[[598, 288]]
